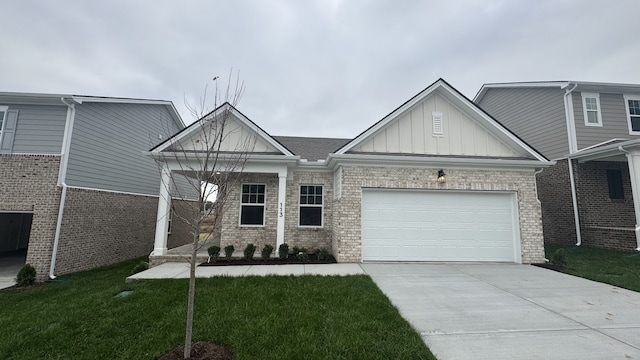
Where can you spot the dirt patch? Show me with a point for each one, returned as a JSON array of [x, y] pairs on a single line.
[[313, 259], [200, 351]]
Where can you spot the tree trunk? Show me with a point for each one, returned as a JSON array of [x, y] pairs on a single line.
[[191, 297]]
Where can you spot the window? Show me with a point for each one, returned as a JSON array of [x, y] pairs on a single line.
[[632, 103], [252, 204], [614, 180], [591, 107], [3, 111], [311, 205], [170, 221]]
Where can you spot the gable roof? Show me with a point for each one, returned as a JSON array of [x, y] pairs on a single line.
[[580, 86], [311, 148], [196, 127], [56, 100], [452, 95]]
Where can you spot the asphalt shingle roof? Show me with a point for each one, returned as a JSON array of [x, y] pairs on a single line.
[[311, 148]]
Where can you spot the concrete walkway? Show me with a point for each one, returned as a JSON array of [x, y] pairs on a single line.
[[181, 270], [504, 311]]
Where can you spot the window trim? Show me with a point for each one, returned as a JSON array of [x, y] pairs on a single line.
[[4, 110], [627, 112], [321, 206], [264, 206], [585, 111]]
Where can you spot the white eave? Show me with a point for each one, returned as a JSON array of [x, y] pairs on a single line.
[[602, 152]]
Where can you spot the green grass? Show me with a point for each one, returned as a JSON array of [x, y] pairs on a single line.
[[307, 317], [618, 268]]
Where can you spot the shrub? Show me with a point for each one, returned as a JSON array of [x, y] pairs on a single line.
[[301, 253], [559, 259], [266, 252], [26, 276], [249, 251], [228, 252], [283, 251], [322, 254], [141, 266], [214, 252]]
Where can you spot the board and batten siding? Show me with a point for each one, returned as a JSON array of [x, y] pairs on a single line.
[[536, 115], [39, 129], [614, 120], [108, 142], [412, 133]]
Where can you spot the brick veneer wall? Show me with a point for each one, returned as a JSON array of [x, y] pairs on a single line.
[[311, 238], [605, 222], [346, 230], [29, 183], [240, 236], [102, 228], [554, 192]]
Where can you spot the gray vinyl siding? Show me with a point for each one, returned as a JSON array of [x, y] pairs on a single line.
[[614, 120], [40, 129], [536, 115], [108, 142]]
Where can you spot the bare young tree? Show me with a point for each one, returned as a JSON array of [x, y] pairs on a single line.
[[203, 167]]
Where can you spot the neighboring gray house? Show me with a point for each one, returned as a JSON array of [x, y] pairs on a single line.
[[435, 180], [593, 199], [75, 185]]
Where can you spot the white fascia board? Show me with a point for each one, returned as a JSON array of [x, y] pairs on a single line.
[[393, 115], [447, 162], [282, 159], [81, 99], [603, 151], [502, 131], [533, 84]]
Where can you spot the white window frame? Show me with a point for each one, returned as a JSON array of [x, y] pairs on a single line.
[[321, 206], [627, 110], [170, 222], [264, 206], [585, 96], [4, 110]]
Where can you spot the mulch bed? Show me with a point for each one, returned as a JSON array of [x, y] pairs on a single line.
[[313, 259], [200, 351]]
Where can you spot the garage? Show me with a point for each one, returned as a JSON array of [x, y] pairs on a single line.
[[439, 225]]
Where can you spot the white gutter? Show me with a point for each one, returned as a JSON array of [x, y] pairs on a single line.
[[636, 195], [62, 174], [574, 198]]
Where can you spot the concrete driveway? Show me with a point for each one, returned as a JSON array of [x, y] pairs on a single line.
[[509, 311]]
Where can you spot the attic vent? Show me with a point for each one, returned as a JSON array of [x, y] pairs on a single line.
[[437, 123]]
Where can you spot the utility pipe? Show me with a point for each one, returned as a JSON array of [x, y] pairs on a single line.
[[636, 195], [66, 144]]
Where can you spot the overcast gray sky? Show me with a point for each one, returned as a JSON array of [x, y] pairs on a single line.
[[311, 68]]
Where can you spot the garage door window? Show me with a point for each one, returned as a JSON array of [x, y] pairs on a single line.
[[311, 205], [252, 205]]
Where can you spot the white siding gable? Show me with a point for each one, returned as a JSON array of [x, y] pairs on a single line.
[[436, 126]]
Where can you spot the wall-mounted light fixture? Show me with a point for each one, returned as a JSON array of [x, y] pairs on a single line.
[[442, 177]]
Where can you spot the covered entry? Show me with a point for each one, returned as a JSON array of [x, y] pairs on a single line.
[[439, 225]]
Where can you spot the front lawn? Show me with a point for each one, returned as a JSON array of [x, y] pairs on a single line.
[[306, 317], [618, 268]]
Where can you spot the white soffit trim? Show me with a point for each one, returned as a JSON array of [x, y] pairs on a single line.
[[532, 84]]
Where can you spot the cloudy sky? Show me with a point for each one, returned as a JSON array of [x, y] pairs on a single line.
[[310, 68]]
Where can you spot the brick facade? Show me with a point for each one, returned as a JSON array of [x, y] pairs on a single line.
[[28, 184], [604, 222], [346, 230]]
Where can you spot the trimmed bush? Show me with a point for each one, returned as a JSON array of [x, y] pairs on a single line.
[[228, 252], [322, 254], [301, 254], [283, 251], [249, 251], [214, 252], [141, 266], [26, 276], [266, 252]]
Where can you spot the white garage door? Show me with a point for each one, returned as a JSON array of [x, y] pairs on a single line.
[[419, 225]]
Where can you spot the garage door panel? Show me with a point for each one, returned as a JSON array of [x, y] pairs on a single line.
[[438, 226]]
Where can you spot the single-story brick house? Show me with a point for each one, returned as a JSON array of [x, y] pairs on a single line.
[[437, 179]]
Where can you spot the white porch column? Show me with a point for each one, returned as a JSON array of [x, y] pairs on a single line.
[[633, 157], [282, 196], [162, 219]]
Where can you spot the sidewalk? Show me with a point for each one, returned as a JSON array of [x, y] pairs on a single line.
[[177, 270]]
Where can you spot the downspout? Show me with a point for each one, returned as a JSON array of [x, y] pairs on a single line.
[[535, 184], [62, 174], [636, 197], [573, 147]]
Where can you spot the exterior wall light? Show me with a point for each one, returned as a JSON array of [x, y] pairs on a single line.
[[442, 177]]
